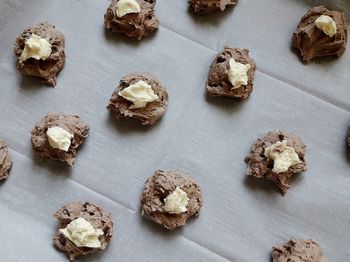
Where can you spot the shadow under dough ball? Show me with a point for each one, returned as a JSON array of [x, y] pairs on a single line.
[[147, 115], [46, 69], [5, 161], [218, 83], [298, 250], [201, 7], [313, 42], [260, 165], [158, 187], [135, 25], [71, 124], [95, 215]]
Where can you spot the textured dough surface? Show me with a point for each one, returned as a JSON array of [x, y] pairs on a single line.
[[298, 251], [218, 83], [5, 161], [313, 42], [202, 7], [45, 69], [261, 167], [134, 25], [158, 187], [148, 115], [70, 123], [95, 215]]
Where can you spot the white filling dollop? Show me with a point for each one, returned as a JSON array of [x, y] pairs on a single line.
[[139, 94], [326, 24], [82, 233], [283, 156], [125, 7], [59, 138], [176, 202], [36, 47], [238, 73]]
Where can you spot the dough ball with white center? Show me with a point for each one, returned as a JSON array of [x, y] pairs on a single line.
[[140, 96], [40, 52], [277, 156], [321, 32], [201, 7], [231, 74], [133, 18], [298, 251], [84, 228], [5, 161], [170, 198], [57, 136]]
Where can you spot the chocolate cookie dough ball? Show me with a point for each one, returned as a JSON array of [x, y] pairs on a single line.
[[133, 18], [57, 136], [5, 161], [298, 251], [140, 96], [321, 32], [201, 7], [348, 138], [40, 51], [231, 74], [170, 198], [84, 229], [277, 156]]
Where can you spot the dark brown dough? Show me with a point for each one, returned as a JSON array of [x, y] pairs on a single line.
[[138, 25], [98, 218], [298, 251], [261, 167], [349, 138], [313, 42], [5, 161], [45, 69], [158, 187], [148, 115], [201, 7], [218, 83], [70, 123]]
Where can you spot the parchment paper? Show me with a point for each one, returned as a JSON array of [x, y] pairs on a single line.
[[207, 138]]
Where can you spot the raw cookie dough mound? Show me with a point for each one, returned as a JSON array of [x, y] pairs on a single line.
[[202, 7], [140, 96], [134, 18], [57, 136], [100, 221], [349, 137], [40, 50], [170, 198], [5, 161], [277, 156], [231, 74], [321, 32], [298, 251]]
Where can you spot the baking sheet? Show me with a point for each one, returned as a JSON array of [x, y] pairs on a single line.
[[205, 137]]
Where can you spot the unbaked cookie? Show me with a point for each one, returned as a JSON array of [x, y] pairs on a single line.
[[5, 161], [298, 251], [277, 156], [89, 230], [202, 7], [57, 136], [231, 74], [170, 198], [134, 18], [140, 96], [321, 32], [40, 52]]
